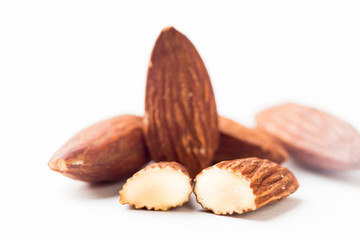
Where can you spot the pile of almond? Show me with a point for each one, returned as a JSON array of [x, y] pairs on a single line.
[[229, 167]]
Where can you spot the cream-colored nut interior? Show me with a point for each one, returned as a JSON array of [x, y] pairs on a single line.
[[158, 189], [224, 192]]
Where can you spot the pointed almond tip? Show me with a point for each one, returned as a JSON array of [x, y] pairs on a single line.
[[168, 29], [58, 165], [51, 165], [167, 34]]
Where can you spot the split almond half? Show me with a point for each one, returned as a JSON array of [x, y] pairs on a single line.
[[159, 186], [243, 185]]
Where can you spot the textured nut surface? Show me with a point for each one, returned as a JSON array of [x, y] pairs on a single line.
[[159, 186], [238, 141], [180, 122], [315, 138], [106, 151], [243, 185]]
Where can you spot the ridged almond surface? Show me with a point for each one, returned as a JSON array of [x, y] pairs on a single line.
[[238, 141], [180, 122], [159, 186], [243, 185], [106, 151], [315, 138]]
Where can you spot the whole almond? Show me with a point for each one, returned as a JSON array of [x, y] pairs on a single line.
[[238, 141], [180, 122], [315, 138], [106, 151], [243, 185]]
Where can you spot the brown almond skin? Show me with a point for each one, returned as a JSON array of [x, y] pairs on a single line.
[[314, 138], [180, 122], [161, 165], [238, 141], [270, 181], [106, 151]]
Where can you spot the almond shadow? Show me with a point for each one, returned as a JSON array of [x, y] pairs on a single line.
[[270, 211], [266, 213], [98, 190]]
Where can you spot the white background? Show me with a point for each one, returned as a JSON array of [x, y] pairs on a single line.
[[67, 64]]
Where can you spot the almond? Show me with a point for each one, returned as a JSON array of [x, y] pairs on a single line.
[[106, 151], [243, 185], [180, 122], [314, 138], [238, 141], [159, 186]]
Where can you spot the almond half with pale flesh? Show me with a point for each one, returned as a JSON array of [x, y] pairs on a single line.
[[159, 186], [243, 185]]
